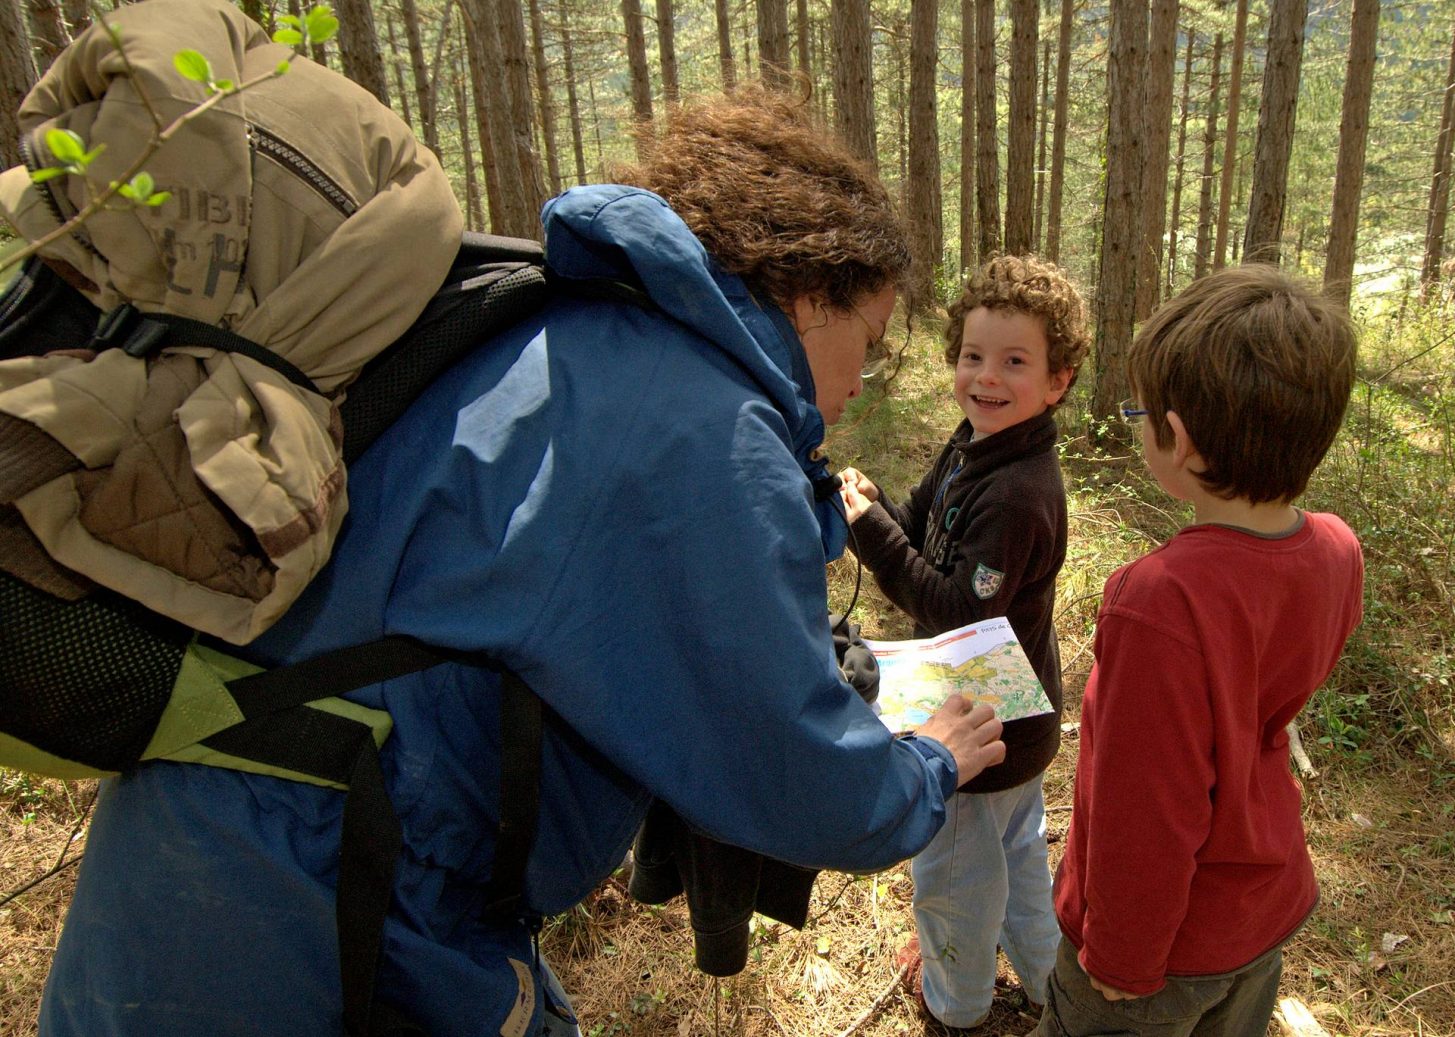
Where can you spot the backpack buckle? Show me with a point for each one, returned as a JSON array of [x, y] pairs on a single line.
[[127, 329]]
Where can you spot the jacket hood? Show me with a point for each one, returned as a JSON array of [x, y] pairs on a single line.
[[621, 233]]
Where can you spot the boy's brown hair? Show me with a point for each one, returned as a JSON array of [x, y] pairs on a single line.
[[1030, 285], [1259, 368]]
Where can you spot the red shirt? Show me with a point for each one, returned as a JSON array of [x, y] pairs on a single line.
[[1186, 852]]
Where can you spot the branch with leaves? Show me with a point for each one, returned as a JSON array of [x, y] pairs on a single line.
[[73, 158]]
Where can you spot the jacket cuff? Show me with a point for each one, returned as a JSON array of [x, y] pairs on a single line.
[[939, 761], [874, 531]]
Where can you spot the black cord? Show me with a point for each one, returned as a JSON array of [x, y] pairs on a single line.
[[839, 509], [61, 862]]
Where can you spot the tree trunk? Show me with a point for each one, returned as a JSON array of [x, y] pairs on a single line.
[[516, 54], [569, 57], [967, 135], [1058, 134], [1203, 258], [1263, 233], [78, 16], [1020, 183], [987, 155], [1353, 134], [1156, 135], [1430, 275], [641, 77], [1230, 138], [254, 10], [667, 50], [725, 45], [358, 43], [1117, 282], [510, 159], [474, 215], [854, 78], [423, 94], [773, 60], [923, 185], [47, 31], [398, 67], [317, 51], [1042, 135], [802, 38], [544, 98], [1175, 226], [17, 76], [900, 100], [489, 98]]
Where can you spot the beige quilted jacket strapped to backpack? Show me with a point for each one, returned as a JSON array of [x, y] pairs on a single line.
[[304, 216]]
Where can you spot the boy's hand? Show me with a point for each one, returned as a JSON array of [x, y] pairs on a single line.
[[860, 482], [971, 735], [855, 503], [1109, 992]]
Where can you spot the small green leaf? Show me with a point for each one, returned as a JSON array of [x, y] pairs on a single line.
[[288, 37], [143, 184], [127, 191], [223, 85], [158, 198], [290, 19], [281, 69], [90, 156], [40, 176], [192, 65], [322, 25], [66, 145]]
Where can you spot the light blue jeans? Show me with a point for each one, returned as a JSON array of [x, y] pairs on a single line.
[[984, 881]]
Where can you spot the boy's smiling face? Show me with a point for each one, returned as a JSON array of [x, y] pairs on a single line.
[[1003, 376]]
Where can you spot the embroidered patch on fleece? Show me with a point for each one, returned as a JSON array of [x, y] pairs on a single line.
[[986, 581], [518, 1021]]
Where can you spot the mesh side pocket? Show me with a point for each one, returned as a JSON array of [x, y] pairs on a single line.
[[84, 680]]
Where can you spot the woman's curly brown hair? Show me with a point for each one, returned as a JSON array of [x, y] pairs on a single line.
[[1026, 284], [775, 197]]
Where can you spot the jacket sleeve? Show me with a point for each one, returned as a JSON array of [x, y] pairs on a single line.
[[1007, 543], [1148, 787]]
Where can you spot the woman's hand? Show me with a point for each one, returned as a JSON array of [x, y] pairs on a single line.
[[971, 734]]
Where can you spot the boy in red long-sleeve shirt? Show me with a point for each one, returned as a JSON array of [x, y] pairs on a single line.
[[1186, 868]]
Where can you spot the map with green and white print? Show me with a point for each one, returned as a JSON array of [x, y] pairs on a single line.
[[982, 661]]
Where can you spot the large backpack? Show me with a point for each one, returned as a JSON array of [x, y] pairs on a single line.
[[94, 686]]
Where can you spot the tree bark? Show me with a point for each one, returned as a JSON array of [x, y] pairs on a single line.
[[1020, 176], [923, 186], [78, 16], [1263, 233], [516, 54], [358, 43], [1230, 138], [1116, 284], [1175, 224], [773, 60], [254, 10], [47, 31], [17, 76], [1156, 136], [641, 78], [483, 51], [725, 45], [967, 134], [1205, 218], [667, 50], [854, 78], [801, 39], [398, 67], [1042, 136], [544, 98], [1058, 134], [424, 95], [572, 102], [1430, 273], [474, 214], [1353, 135], [987, 155]]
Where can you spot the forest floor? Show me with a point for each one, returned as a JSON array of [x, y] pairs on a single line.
[[1375, 960]]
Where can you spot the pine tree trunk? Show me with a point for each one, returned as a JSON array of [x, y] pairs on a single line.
[[1175, 226], [802, 38], [17, 76], [423, 93], [1430, 273], [773, 61], [1058, 134], [641, 78], [725, 45], [488, 91], [47, 31], [516, 64], [78, 16], [1230, 137], [1277, 112], [1020, 185], [1205, 218], [987, 155], [398, 67], [572, 103], [1042, 136], [474, 215], [1353, 135], [1156, 136], [544, 99], [1116, 283], [897, 36], [254, 10], [667, 50], [358, 43], [923, 185], [967, 135], [854, 78]]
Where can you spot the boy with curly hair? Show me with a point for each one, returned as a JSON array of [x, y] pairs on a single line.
[[1186, 868], [983, 535]]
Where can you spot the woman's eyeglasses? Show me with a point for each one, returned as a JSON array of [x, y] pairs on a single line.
[[1130, 411], [879, 352]]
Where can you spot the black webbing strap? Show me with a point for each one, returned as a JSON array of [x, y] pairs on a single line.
[[335, 673], [141, 334], [520, 794]]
